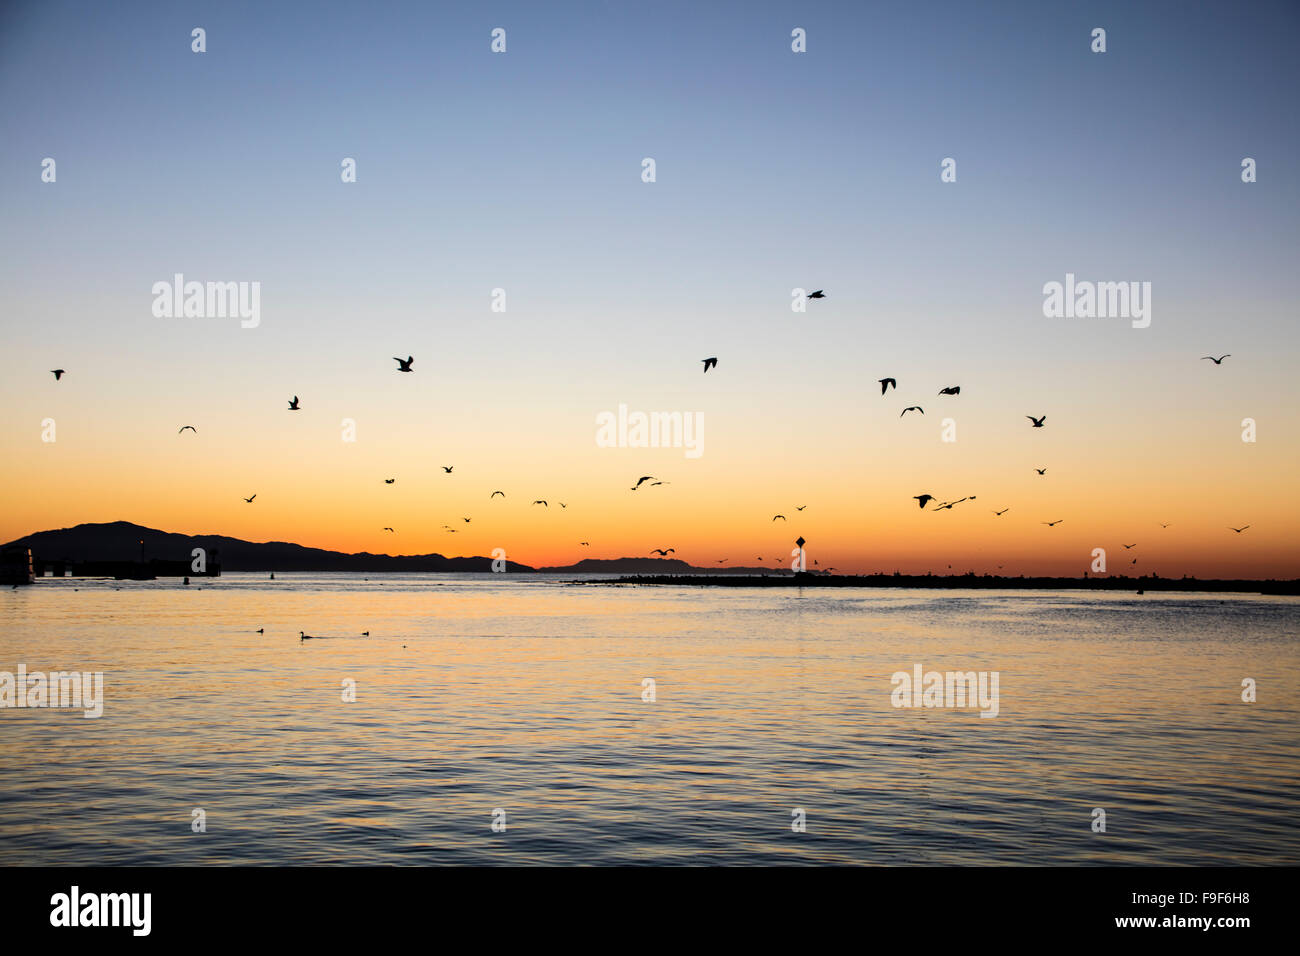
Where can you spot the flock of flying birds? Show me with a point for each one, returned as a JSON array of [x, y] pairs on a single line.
[[923, 500]]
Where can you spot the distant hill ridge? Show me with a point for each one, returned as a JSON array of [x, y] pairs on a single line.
[[120, 541]]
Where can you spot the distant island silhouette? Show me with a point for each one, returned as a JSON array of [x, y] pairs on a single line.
[[121, 548]]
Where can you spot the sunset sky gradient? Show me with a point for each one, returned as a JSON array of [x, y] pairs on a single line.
[[775, 170]]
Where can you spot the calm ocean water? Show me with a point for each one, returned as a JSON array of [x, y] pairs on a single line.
[[523, 693]]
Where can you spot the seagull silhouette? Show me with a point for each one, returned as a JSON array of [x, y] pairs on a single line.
[[950, 390], [542, 503], [782, 517], [1128, 546], [57, 373], [1002, 512], [467, 520], [947, 505], [911, 408], [1216, 361], [819, 294], [495, 493], [1052, 524], [389, 481], [1239, 530], [663, 552], [923, 500], [644, 478], [1163, 524], [885, 383], [562, 504], [800, 507], [709, 363], [1041, 471], [250, 500], [190, 427], [390, 529], [293, 405], [447, 468], [585, 544], [1038, 422], [404, 366]]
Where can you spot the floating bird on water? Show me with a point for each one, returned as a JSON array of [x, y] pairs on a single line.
[[663, 552], [1052, 524], [57, 373], [782, 517], [1239, 530], [190, 427], [885, 383], [250, 500], [819, 294], [923, 500], [911, 408], [1216, 361], [261, 630], [643, 478], [495, 493], [709, 363], [1038, 422], [950, 390], [365, 633], [1002, 512], [293, 404], [542, 503], [404, 366]]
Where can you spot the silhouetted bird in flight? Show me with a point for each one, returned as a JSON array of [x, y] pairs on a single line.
[[390, 529], [885, 383], [1038, 422], [643, 478], [585, 544], [950, 390], [562, 504], [293, 405], [723, 560], [495, 493], [1052, 524], [819, 294], [467, 520], [447, 468], [1002, 512], [57, 373], [1128, 546], [782, 517], [947, 505], [389, 481], [911, 408], [1041, 471], [663, 552], [800, 507], [709, 363], [404, 366], [190, 427], [1239, 530], [923, 500], [1216, 361], [250, 500], [542, 503], [1163, 525]]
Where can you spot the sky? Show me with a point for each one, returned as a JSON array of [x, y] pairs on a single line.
[[774, 171]]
